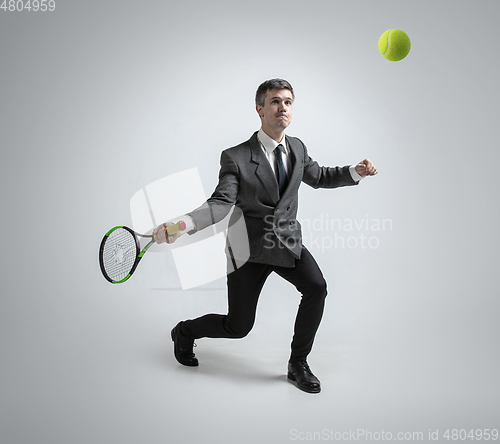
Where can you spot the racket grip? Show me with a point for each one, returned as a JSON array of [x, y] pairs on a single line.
[[179, 226]]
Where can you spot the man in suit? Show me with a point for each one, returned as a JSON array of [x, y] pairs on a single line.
[[261, 178]]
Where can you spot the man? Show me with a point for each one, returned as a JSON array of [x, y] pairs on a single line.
[[261, 177]]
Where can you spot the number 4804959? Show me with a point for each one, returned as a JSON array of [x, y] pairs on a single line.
[[28, 5]]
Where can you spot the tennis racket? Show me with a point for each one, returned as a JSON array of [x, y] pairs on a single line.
[[120, 253]]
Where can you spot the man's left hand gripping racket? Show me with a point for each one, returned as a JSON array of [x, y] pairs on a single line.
[[120, 252]]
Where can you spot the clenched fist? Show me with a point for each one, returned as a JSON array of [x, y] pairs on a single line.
[[366, 168]]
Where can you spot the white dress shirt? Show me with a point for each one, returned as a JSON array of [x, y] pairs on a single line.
[[268, 146]]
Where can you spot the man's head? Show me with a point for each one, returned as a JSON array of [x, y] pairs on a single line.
[[273, 103]]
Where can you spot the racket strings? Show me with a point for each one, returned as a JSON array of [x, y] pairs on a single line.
[[119, 254]]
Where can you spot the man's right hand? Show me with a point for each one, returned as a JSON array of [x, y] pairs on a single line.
[[160, 234]]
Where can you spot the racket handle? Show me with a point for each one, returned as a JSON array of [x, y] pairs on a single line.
[[179, 226]]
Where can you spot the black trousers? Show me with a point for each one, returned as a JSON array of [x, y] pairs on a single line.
[[244, 286]]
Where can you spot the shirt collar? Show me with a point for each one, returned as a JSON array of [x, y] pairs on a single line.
[[270, 144]]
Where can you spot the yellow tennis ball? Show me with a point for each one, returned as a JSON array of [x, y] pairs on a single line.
[[394, 45]]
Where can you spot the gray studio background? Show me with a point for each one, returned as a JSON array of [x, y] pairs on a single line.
[[99, 99]]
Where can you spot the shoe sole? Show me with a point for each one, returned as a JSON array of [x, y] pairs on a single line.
[[292, 380]]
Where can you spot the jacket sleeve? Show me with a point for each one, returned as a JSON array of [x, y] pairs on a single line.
[[223, 198], [318, 176]]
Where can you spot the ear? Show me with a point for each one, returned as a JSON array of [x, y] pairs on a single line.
[[258, 108]]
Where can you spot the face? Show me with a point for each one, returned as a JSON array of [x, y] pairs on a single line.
[[276, 114]]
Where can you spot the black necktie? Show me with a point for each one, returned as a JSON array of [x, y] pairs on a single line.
[[280, 170]]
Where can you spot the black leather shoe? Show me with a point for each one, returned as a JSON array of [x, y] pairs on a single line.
[[183, 347], [301, 375]]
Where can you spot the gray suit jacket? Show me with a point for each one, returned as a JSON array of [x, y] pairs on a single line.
[[270, 234]]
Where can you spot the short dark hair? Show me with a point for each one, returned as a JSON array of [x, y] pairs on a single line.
[[269, 85]]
